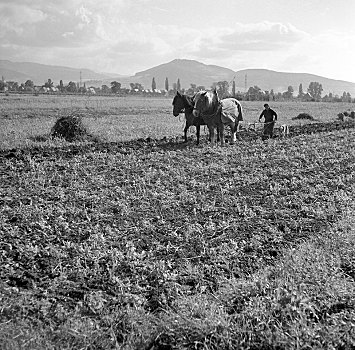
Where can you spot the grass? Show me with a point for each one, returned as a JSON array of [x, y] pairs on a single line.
[[25, 118], [162, 245]]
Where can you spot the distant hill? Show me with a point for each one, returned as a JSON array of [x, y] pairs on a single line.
[[40, 73], [279, 81], [188, 71], [13, 75]]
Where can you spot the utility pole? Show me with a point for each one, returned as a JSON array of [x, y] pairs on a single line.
[[246, 82], [80, 79]]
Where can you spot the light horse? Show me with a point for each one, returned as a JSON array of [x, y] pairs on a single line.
[[184, 103], [208, 106]]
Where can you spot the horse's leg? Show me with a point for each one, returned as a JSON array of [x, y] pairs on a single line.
[[212, 136], [221, 134], [218, 136], [185, 131], [198, 134], [236, 128], [233, 132]]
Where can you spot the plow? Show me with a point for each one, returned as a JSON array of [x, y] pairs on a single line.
[[255, 130]]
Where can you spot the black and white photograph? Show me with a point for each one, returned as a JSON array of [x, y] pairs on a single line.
[[177, 175]]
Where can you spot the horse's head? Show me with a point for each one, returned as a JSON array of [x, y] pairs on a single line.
[[205, 102], [178, 104], [182, 103]]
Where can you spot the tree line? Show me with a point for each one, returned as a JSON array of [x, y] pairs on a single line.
[[224, 89]]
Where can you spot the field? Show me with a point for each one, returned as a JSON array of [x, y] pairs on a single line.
[[138, 241], [25, 117]]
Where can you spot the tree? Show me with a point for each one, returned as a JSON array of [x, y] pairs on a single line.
[[49, 83], [222, 88], [154, 85], [346, 97], [82, 89], [29, 83], [166, 84], [300, 91], [12, 85], [178, 85], [289, 93], [325, 98], [28, 86], [115, 86], [254, 93], [174, 88], [192, 89], [71, 87], [61, 86], [2, 85], [315, 90], [105, 89], [136, 86]]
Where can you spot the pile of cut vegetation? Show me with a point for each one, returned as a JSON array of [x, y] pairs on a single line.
[[303, 116], [71, 128], [350, 114]]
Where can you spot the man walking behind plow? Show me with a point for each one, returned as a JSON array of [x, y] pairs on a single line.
[[270, 117]]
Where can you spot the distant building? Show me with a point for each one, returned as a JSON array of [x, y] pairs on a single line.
[[307, 97]]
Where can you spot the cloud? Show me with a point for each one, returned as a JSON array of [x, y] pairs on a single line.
[[129, 36], [327, 54], [45, 23], [14, 19], [262, 37], [84, 14]]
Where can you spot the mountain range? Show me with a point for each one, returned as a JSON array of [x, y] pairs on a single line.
[[187, 71], [40, 73]]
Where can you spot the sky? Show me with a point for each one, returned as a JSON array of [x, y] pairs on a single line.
[[129, 36]]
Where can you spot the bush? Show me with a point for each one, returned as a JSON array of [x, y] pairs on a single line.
[[70, 128], [303, 116]]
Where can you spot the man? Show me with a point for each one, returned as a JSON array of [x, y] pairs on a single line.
[[270, 118]]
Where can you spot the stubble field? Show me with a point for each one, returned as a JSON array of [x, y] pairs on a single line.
[[25, 117], [137, 241]]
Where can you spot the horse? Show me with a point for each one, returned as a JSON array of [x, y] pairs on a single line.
[[216, 114], [184, 103]]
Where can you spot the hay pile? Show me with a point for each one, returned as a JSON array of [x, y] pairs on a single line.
[[349, 114], [70, 128], [303, 116]]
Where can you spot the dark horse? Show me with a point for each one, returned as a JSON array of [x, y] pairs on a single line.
[[184, 103], [216, 113]]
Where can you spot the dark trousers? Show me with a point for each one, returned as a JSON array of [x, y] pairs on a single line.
[[268, 130]]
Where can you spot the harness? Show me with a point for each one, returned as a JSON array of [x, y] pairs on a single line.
[[187, 106], [211, 115]]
